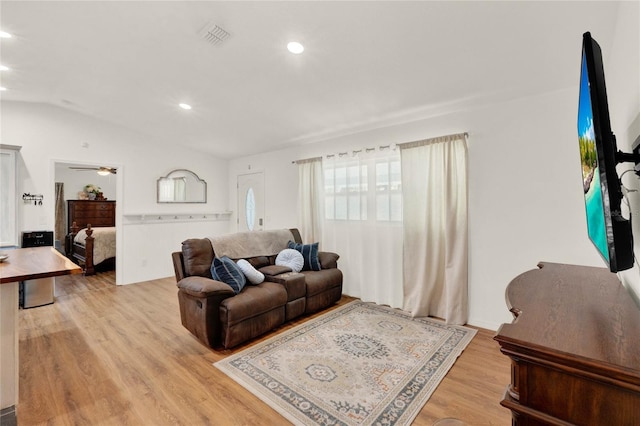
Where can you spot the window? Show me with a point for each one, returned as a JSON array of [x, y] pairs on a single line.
[[388, 191], [361, 189]]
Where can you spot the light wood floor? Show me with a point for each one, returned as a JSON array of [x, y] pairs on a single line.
[[118, 355]]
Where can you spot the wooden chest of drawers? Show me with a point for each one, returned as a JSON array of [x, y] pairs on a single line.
[[97, 213], [574, 347]]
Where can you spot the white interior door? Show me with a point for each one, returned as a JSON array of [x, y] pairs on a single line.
[[251, 202]]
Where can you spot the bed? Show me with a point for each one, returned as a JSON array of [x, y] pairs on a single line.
[[91, 240]]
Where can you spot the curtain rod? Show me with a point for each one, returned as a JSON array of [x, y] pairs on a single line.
[[392, 146], [306, 160], [437, 139]]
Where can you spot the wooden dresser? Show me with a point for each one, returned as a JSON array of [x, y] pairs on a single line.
[[574, 347], [97, 213]]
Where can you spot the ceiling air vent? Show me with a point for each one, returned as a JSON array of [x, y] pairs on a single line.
[[214, 34]]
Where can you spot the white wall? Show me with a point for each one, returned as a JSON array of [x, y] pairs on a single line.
[[49, 134], [75, 181], [622, 72], [525, 202]]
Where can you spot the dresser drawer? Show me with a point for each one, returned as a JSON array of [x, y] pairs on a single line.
[[93, 206], [99, 213]]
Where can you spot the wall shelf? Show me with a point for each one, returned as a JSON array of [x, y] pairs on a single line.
[[149, 218]]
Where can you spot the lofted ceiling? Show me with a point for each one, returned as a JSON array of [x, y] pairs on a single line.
[[365, 64]]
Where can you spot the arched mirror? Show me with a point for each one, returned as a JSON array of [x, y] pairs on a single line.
[[182, 186]]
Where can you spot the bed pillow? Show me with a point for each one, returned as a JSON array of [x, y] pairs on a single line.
[[226, 270], [309, 255], [254, 276], [291, 258]]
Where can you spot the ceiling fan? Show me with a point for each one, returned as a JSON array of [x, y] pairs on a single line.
[[102, 171]]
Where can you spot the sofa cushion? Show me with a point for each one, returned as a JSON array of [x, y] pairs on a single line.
[[226, 270], [291, 258], [320, 281], [259, 261], [252, 301], [198, 256], [309, 254], [254, 276]]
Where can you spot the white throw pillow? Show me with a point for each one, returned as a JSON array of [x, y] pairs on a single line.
[[291, 258], [253, 275]]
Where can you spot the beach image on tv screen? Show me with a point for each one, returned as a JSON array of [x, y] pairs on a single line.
[[590, 171]]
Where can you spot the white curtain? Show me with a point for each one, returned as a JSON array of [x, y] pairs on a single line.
[[435, 247], [60, 230], [362, 223], [310, 199]]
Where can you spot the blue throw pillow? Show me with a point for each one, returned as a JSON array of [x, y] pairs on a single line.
[[309, 254], [225, 270]]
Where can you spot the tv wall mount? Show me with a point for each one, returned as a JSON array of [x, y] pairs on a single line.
[[633, 157]]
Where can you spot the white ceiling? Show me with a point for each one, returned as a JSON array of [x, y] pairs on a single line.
[[366, 64]]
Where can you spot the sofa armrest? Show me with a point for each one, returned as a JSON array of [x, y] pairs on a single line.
[[205, 287], [328, 260], [273, 270], [199, 299]]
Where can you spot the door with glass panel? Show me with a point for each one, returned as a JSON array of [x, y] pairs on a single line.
[[251, 202]]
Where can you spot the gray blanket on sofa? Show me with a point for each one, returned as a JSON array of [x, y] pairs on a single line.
[[243, 245]]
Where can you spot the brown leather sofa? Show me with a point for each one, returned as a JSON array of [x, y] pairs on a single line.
[[218, 317]]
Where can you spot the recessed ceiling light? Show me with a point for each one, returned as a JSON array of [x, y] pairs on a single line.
[[4, 68], [184, 106], [2, 89], [5, 35], [295, 47]]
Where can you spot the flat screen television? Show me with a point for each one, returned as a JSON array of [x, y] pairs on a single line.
[[608, 230]]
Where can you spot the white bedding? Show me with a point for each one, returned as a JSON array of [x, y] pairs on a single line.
[[104, 244]]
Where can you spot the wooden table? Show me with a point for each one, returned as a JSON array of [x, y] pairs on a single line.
[[574, 347], [22, 264]]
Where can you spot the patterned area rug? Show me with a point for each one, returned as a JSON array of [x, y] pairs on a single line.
[[360, 364]]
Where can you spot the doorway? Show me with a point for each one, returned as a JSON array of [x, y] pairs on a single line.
[[75, 176], [251, 202]]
